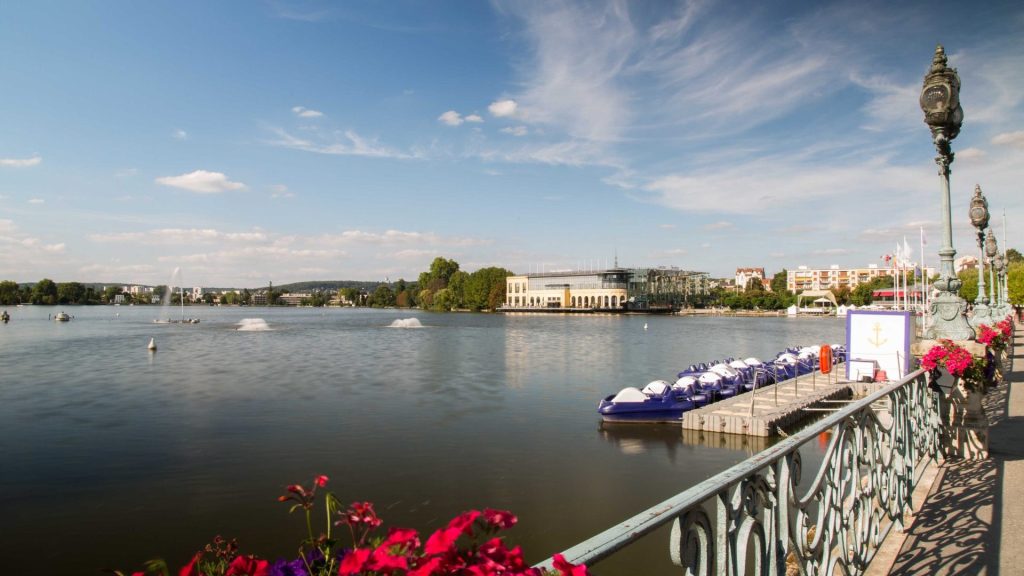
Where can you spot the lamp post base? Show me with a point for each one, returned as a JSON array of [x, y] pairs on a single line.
[[982, 315], [948, 319]]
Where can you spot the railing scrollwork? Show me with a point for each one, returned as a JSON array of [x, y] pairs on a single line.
[[756, 517]]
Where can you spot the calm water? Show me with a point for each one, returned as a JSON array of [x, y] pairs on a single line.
[[110, 455]]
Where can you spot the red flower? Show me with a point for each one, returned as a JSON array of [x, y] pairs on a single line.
[[566, 568], [320, 480], [361, 514], [427, 568], [442, 541], [190, 569], [464, 521], [383, 561], [248, 566], [402, 537], [501, 519], [355, 561]]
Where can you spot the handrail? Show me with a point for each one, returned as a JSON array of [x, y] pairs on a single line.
[[860, 492]]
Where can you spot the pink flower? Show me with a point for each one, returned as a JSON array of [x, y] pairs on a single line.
[[442, 541], [383, 561], [248, 566], [502, 519], [361, 514], [320, 480], [566, 568], [427, 568], [190, 569], [464, 521], [402, 537], [355, 561]]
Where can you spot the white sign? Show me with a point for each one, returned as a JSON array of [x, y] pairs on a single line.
[[879, 337]]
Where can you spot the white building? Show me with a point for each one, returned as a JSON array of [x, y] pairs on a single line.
[[834, 277], [197, 294], [745, 275], [605, 289]]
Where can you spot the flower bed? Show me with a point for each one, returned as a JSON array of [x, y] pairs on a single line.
[[467, 546]]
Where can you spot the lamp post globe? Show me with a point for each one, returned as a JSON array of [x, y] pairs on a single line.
[[940, 102], [979, 215], [991, 250]]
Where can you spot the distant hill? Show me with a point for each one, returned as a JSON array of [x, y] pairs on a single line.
[[327, 285]]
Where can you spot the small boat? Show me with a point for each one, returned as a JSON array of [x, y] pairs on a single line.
[[5, 317], [62, 317], [657, 402]]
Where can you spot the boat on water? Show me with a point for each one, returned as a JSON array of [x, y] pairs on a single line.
[[5, 317], [62, 317], [658, 401], [704, 383]]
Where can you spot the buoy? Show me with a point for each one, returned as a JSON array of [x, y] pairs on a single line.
[[645, 325], [152, 345]]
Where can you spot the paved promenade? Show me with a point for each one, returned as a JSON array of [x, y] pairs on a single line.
[[973, 519]]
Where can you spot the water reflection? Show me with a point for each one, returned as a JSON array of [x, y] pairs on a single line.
[[633, 438]]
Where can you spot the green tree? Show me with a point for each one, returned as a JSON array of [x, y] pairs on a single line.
[[1015, 280], [209, 298], [44, 292], [754, 286], [457, 288], [485, 288], [382, 297], [779, 281], [843, 295], [969, 289], [442, 300], [350, 295], [70, 293], [9, 293], [1013, 256], [110, 292]]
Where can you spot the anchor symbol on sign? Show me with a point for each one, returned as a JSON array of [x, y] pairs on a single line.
[[878, 341]]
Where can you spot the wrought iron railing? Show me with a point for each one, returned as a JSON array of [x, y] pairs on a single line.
[[756, 516]]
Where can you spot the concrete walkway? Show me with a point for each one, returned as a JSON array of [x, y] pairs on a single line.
[[973, 519]]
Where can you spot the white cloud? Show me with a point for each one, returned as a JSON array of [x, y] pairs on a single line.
[[180, 236], [451, 118], [1015, 139], [667, 226], [302, 112], [202, 182], [515, 130], [280, 191], [36, 201], [474, 118], [352, 145], [720, 225], [503, 108], [179, 134], [20, 162], [970, 153], [126, 173]]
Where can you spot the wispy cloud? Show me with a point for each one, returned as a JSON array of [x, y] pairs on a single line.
[[350, 144], [303, 112], [515, 130], [202, 182], [36, 201], [280, 191], [179, 134], [1015, 139], [179, 236], [20, 162]]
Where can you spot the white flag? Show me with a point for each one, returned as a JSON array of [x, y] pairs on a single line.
[[924, 239], [907, 252]]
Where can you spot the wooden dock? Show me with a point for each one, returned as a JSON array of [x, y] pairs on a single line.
[[775, 408]]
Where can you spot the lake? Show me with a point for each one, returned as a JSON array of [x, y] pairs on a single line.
[[111, 455]]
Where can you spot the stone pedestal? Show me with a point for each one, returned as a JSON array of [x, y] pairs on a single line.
[[963, 417], [966, 424]]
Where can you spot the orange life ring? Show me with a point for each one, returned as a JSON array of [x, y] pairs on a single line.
[[825, 358]]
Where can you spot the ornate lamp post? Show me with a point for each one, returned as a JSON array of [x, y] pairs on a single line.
[[1001, 309], [979, 218], [991, 250], [940, 101]]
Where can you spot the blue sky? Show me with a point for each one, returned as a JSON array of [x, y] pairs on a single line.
[[247, 142]]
